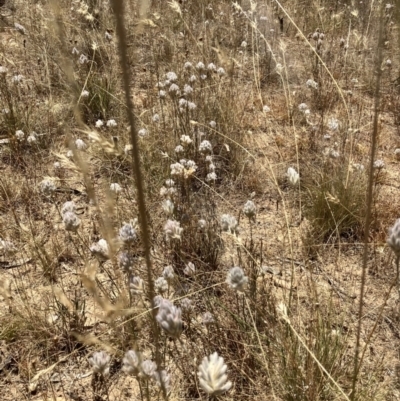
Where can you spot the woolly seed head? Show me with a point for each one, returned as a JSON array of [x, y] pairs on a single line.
[[71, 221], [147, 369], [131, 363], [394, 238], [208, 319], [168, 273], [173, 230], [100, 249], [47, 187], [293, 176], [111, 123], [237, 279], [127, 234], [229, 223], [126, 261], [250, 210], [168, 207], [212, 375], [68, 207], [190, 269], [163, 380], [205, 147], [161, 285], [136, 285], [169, 317], [115, 188], [100, 362]]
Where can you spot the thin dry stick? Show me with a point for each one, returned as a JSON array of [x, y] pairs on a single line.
[[120, 29], [378, 63]]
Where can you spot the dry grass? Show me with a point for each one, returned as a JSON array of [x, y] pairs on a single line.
[[296, 330]]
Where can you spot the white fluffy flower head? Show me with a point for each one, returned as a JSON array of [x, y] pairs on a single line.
[[169, 317], [100, 249], [237, 279], [212, 375], [100, 362], [293, 176], [394, 238]]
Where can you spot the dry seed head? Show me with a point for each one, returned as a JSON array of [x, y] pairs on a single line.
[[190, 269], [161, 285], [100, 362], [191, 106], [212, 375], [100, 249], [168, 273], [127, 234], [221, 72], [211, 177], [16, 79], [168, 207], [187, 89], [136, 285], [142, 132], [20, 135], [187, 305], [303, 107], [32, 138], [186, 140], [394, 238], [293, 176], [312, 84], [131, 363], [205, 147], [173, 230], [200, 66], [207, 319], [174, 90], [126, 261], [115, 188], [163, 380], [147, 369], [111, 123], [229, 223], [47, 187], [237, 279], [171, 76], [80, 145], [169, 317], [179, 149], [333, 124], [71, 221], [250, 210]]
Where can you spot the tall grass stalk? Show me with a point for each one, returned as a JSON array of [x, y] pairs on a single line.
[[122, 46], [370, 195]]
